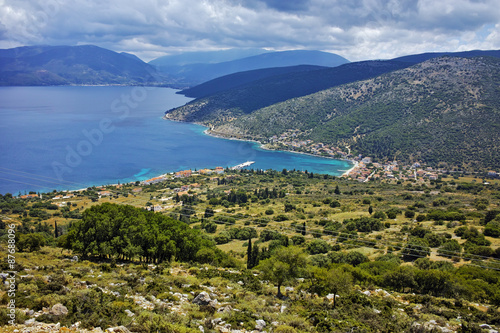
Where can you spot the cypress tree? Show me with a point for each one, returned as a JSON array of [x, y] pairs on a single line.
[[303, 229], [55, 230], [249, 254], [255, 256]]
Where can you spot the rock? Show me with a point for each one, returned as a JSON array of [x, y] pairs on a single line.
[[367, 293], [283, 308], [30, 322], [331, 296], [485, 326], [129, 313], [202, 299], [118, 329], [75, 258], [226, 309], [59, 310], [260, 324], [202, 330]]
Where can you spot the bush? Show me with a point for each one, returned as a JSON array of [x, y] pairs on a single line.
[[318, 246], [269, 211], [380, 215], [409, 214], [298, 240]]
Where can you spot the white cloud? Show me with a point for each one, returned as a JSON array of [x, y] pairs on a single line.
[[357, 29]]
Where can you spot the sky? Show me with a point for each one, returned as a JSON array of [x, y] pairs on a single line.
[[354, 29]]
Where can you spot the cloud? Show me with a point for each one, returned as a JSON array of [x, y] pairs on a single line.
[[357, 29]]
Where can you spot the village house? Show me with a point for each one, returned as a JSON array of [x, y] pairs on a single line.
[[28, 196], [154, 180], [183, 174]]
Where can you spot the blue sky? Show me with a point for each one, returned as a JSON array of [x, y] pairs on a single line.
[[355, 29]]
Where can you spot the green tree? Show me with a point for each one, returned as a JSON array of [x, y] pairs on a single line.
[[338, 282], [415, 248], [337, 190], [286, 263], [30, 242]]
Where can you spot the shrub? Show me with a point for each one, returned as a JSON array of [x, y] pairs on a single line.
[[380, 215], [269, 211], [318, 246]]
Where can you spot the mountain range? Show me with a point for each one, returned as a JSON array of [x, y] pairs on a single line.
[[431, 107], [427, 107], [196, 73], [92, 65]]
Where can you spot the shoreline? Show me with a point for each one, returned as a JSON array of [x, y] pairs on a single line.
[[208, 132]]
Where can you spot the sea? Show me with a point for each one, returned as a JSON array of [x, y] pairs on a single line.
[[73, 137]]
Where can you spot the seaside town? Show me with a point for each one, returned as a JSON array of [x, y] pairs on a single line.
[[364, 169]]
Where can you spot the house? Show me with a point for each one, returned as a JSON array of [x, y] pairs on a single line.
[[137, 190], [183, 174], [28, 196], [154, 180], [493, 174], [219, 170], [104, 193]]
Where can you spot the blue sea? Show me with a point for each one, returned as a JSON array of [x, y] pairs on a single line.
[[70, 137]]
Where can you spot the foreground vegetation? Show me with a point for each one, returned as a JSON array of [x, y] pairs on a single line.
[[276, 251]]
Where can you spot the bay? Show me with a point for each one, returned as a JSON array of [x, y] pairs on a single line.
[[73, 137]]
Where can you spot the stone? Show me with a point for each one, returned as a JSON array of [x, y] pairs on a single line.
[[260, 324], [226, 309], [59, 310], [129, 313], [202, 299], [118, 329], [367, 293]]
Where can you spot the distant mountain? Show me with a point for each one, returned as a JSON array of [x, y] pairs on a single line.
[[243, 99], [444, 110], [61, 65], [193, 74], [205, 57]]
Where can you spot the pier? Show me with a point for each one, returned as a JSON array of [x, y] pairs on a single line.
[[242, 165]]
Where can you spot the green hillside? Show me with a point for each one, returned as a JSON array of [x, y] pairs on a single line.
[[442, 110], [247, 98]]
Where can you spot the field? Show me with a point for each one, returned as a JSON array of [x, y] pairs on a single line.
[[424, 253]]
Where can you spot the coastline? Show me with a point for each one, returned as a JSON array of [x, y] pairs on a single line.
[[208, 132]]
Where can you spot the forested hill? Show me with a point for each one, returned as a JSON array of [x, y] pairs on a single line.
[[442, 110], [239, 79], [229, 104]]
